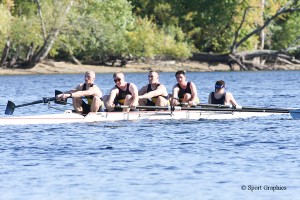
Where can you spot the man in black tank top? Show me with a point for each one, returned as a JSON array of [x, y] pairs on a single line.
[[220, 96], [89, 91], [154, 93], [122, 93], [183, 91]]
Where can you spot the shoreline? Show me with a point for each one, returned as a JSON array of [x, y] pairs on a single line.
[[50, 67]]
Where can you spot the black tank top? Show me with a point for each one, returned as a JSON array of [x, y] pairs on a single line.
[[220, 101], [89, 98], [149, 89], [153, 99], [122, 94], [182, 91]]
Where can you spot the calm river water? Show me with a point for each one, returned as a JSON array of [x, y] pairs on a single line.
[[255, 158]]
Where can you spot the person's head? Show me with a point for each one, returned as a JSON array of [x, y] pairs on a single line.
[[118, 78], [89, 77], [153, 77], [219, 85], [180, 76]]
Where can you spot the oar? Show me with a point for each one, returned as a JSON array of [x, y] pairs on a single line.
[[238, 108], [146, 107], [295, 113], [11, 106], [208, 105], [272, 110]]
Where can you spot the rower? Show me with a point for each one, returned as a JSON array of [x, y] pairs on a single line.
[[220, 96], [154, 93], [89, 90], [122, 93], [183, 91]]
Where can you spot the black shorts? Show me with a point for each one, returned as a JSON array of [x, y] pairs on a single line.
[[118, 109], [150, 103], [86, 108]]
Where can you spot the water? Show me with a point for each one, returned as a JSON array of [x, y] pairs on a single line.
[[176, 160]]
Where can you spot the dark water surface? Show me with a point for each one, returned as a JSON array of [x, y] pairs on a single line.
[[208, 159]]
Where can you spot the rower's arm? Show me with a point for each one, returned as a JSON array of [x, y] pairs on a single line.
[[209, 98], [160, 91], [194, 92], [91, 91], [112, 95], [174, 100], [230, 99], [175, 92], [134, 92], [143, 90], [67, 94]]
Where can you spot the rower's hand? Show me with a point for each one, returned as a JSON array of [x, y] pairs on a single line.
[[111, 104], [175, 102], [63, 96], [238, 107], [59, 97], [133, 105], [191, 103]]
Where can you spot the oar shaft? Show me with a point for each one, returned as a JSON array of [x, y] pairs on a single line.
[[207, 109], [257, 108], [260, 109], [208, 105], [237, 110], [31, 103], [146, 107], [45, 100]]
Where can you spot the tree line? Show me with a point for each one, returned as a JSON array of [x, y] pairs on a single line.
[[247, 33]]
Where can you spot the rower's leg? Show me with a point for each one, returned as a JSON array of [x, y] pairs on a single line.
[[174, 102], [161, 101], [127, 102], [105, 100], [95, 104], [187, 98], [77, 104], [142, 102]]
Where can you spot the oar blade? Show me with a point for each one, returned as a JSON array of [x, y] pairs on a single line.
[[10, 107], [295, 113]]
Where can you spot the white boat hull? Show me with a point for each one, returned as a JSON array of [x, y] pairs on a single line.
[[69, 117]]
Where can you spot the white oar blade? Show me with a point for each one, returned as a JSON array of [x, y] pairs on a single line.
[[295, 113]]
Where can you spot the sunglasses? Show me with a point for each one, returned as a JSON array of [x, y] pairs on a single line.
[[219, 86], [117, 80]]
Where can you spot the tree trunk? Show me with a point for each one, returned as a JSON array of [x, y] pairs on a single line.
[[262, 33], [48, 43], [5, 54], [14, 59], [30, 52], [42, 20]]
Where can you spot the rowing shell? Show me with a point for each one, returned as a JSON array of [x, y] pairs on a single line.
[[70, 117]]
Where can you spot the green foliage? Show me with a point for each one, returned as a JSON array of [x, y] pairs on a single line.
[[146, 40], [211, 25], [290, 28], [95, 29], [5, 25], [23, 8]]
